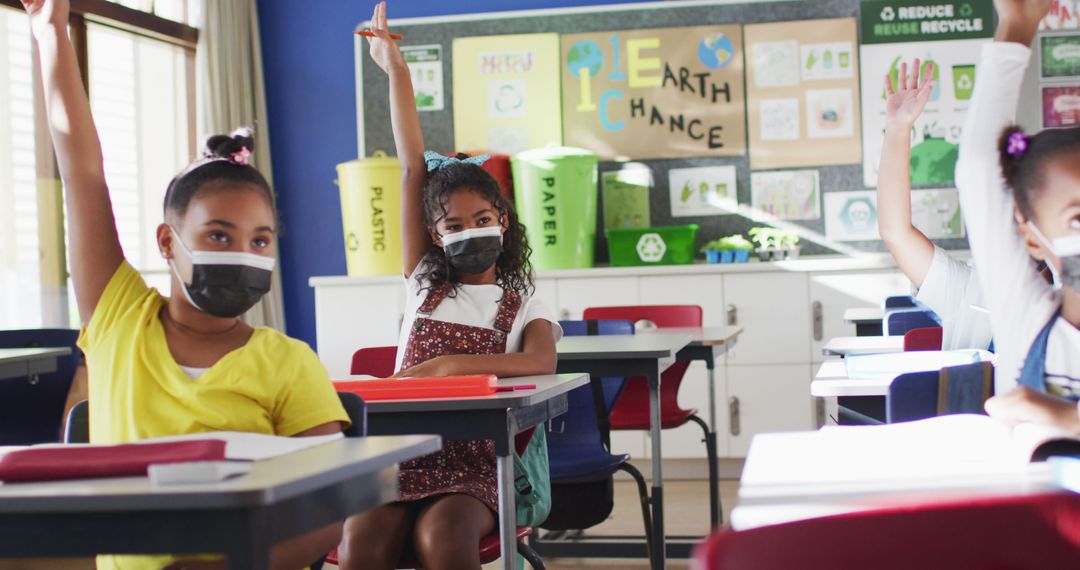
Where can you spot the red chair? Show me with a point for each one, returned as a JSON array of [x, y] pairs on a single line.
[[1002, 533], [922, 339], [631, 410], [379, 362]]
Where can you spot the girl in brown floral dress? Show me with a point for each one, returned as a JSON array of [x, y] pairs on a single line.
[[469, 310]]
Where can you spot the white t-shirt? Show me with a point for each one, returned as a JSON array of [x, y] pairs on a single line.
[[1019, 299], [473, 305], [950, 289]]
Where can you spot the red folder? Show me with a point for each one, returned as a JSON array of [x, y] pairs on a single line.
[[98, 461], [421, 388]]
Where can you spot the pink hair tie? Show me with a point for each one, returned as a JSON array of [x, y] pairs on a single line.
[[242, 156], [1018, 145]]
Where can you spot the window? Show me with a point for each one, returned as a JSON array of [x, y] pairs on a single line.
[[140, 82]]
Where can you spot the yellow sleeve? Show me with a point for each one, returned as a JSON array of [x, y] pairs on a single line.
[[124, 294], [308, 398]]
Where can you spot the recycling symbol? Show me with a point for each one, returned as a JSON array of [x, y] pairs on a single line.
[[351, 243], [651, 248], [887, 14], [964, 82], [966, 10]]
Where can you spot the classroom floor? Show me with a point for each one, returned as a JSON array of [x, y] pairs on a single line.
[[686, 515]]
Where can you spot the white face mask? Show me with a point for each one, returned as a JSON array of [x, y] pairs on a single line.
[[1067, 249]]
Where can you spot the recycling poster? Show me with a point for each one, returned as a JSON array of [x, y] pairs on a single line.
[[949, 35]]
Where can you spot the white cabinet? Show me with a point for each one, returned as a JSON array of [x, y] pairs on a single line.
[[354, 317], [706, 291], [774, 309], [839, 291], [547, 290], [769, 398], [576, 295]]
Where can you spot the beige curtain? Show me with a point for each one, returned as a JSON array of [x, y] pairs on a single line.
[[232, 94]]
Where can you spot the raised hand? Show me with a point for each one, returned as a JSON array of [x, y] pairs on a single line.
[[384, 50], [906, 101], [1018, 20], [47, 13]]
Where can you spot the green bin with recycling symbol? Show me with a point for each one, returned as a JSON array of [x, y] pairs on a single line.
[[667, 245]]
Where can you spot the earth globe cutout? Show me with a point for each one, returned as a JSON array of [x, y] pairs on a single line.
[[716, 51], [585, 54]]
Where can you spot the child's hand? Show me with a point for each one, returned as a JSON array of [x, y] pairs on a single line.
[[1024, 405], [47, 13], [906, 102], [384, 50], [1022, 12], [427, 369]]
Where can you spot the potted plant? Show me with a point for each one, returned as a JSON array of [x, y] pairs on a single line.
[[766, 240], [729, 249], [716, 251], [740, 247], [789, 244]]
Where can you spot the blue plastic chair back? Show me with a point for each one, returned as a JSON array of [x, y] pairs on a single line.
[[32, 412], [900, 302], [576, 449], [912, 397], [356, 408], [899, 322]]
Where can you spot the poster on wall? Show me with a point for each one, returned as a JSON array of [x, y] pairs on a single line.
[[1060, 106], [802, 93], [703, 191], [1059, 56], [655, 93], [506, 91], [949, 35], [626, 197], [936, 213], [853, 216], [786, 194], [425, 67], [1061, 16]]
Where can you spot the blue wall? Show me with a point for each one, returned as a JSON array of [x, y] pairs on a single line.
[[310, 90]]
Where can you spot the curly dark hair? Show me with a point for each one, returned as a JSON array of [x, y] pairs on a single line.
[[513, 271]]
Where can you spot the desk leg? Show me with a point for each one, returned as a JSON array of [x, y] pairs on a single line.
[[659, 547], [507, 510], [710, 444], [249, 553]]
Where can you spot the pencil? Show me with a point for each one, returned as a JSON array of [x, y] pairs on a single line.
[[370, 34]]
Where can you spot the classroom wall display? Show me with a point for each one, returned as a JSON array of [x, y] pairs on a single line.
[[506, 91], [950, 35], [655, 93], [626, 196], [703, 191], [1060, 106], [802, 93], [1059, 56], [425, 66], [1061, 16], [853, 216], [787, 194], [937, 213]]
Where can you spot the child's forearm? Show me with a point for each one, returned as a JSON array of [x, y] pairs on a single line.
[[503, 365], [409, 140], [910, 248]]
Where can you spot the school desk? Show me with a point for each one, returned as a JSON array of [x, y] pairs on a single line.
[[867, 321], [845, 345], [26, 362], [242, 518], [645, 355], [499, 417]]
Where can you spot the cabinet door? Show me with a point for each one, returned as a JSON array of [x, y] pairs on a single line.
[[837, 292], [774, 310], [773, 398], [576, 295], [706, 291], [688, 440], [547, 290], [353, 317]]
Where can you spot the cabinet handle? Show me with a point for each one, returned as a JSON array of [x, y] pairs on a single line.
[[819, 324], [733, 414], [564, 314], [732, 315]]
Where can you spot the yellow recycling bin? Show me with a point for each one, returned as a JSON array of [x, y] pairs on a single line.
[[371, 214]]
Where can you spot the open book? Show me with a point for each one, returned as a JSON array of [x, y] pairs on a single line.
[[961, 446]]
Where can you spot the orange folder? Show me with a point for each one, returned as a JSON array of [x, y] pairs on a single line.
[[421, 388]]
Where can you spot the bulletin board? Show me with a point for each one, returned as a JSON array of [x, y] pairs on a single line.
[[667, 169]]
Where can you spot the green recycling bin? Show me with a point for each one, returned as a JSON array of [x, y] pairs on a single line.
[[555, 193]]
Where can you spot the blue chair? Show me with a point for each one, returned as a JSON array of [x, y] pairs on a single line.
[[901, 302], [579, 447], [953, 390], [899, 321], [32, 409], [911, 397]]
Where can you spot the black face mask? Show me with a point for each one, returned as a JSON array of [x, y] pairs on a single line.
[[473, 251], [226, 283]]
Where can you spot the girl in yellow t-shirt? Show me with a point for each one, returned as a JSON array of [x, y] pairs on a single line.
[[184, 364]]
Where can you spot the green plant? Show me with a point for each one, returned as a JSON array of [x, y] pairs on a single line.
[[764, 237], [733, 242], [788, 239]]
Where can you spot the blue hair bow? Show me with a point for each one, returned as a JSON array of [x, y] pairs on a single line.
[[436, 161]]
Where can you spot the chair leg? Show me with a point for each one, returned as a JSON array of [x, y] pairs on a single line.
[[530, 555], [714, 476], [646, 511]]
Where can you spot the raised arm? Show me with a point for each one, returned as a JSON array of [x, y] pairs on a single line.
[[408, 138], [94, 247], [911, 249]]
